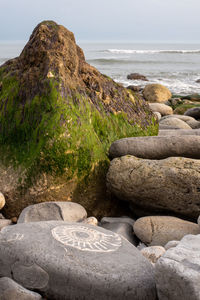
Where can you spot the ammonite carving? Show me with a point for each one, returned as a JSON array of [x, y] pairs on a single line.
[[86, 239]]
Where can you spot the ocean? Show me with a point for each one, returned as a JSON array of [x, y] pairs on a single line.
[[176, 66]]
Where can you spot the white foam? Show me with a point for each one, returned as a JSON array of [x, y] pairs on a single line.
[[124, 51]]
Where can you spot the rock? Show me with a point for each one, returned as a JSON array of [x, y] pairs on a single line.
[[171, 244], [159, 230], [14, 220], [65, 141], [135, 88], [2, 200], [194, 124], [94, 262], [198, 220], [157, 147], [124, 229], [174, 122], [158, 115], [181, 109], [177, 271], [156, 93], [47, 211], [137, 76], [91, 220], [4, 223], [166, 127], [193, 112], [153, 253], [179, 132], [192, 97], [2, 217], [174, 102], [163, 109], [108, 220], [198, 80], [181, 117], [10, 290], [168, 186]]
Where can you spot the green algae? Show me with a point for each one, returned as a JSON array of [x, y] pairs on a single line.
[[58, 136]]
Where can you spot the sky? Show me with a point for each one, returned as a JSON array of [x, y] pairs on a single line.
[[105, 20]]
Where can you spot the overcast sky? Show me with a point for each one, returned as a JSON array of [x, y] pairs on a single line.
[[128, 20]]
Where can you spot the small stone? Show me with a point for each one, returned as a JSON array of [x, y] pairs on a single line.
[[141, 246], [4, 223], [91, 221], [14, 220], [158, 115], [171, 244], [2, 200], [153, 253], [162, 108], [10, 290]]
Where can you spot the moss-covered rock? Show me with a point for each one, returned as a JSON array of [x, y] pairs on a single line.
[[58, 117]]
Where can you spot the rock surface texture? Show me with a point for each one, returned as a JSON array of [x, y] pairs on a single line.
[[177, 271], [157, 147], [156, 93], [157, 186], [10, 290], [47, 211], [159, 230], [65, 116], [75, 261]]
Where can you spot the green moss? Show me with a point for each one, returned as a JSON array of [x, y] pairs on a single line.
[[181, 109], [55, 135]]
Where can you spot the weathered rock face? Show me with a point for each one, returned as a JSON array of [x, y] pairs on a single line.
[[58, 116], [159, 230], [179, 267], [156, 93], [75, 261], [157, 147], [169, 186]]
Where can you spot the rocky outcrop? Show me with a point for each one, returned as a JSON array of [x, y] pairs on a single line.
[[157, 147], [159, 230], [156, 93], [94, 262], [58, 116], [169, 186], [179, 267]]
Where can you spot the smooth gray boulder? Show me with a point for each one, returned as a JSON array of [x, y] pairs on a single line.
[[178, 271], [11, 290], [171, 244], [168, 186], [47, 211], [162, 108], [193, 112], [181, 117], [179, 132], [159, 230], [68, 261], [194, 124], [124, 229], [157, 147], [174, 122]]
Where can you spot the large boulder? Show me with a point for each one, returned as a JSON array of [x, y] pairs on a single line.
[[193, 112], [174, 122], [75, 261], [177, 271], [58, 116], [157, 147], [47, 211], [179, 132], [159, 230], [181, 117], [11, 290], [162, 108], [156, 93], [168, 186]]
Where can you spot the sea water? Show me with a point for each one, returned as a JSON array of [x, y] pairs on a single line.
[[177, 66]]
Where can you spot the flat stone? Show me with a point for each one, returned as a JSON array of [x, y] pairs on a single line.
[[127, 220], [2, 200], [153, 253], [168, 186], [47, 211], [124, 229], [4, 223], [10, 290], [178, 271], [159, 230], [157, 147], [162, 108], [75, 261], [174, 122], [171, 244]]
